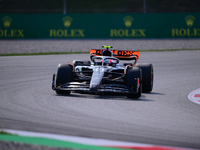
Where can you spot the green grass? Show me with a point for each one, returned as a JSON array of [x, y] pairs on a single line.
[[4, 133], [53, 143], [66, 53]]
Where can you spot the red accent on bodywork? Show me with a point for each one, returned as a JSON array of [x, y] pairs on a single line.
[[126, 68], [72, 65]]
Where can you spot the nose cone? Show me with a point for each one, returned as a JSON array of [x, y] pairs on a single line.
[[98, 73], [94, 89]]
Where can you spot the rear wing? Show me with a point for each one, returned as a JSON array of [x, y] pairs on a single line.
[[120, 54]]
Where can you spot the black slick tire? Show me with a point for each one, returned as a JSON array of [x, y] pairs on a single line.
[[64, 75], [147, 76], [131, 81]]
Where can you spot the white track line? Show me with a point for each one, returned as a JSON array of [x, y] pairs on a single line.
[[194, 96]]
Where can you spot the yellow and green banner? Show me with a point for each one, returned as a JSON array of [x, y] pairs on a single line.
[[99, 26]]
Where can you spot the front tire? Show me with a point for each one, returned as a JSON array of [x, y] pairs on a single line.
[[64, 75], [132, 76]]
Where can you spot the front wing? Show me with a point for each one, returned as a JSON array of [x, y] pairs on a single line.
[[103, 88]]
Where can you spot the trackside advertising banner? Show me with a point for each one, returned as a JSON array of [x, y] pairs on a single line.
[[111, 26]]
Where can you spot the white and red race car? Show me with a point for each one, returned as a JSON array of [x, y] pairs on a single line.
[[105, 73]]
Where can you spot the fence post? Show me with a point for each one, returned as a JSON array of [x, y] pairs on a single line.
[[64, 7], [144, 6]]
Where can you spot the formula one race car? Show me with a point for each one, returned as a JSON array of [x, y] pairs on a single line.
[[105, 73]]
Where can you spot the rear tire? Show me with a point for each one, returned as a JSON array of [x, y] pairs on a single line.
[[147, 76], [64, 75], [131, 76]]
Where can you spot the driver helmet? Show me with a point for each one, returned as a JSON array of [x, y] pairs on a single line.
[[109, 62]]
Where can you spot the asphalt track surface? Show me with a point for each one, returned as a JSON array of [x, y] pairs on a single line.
[[163, 117]]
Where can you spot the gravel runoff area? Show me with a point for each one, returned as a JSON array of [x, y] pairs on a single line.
[[36, 46]]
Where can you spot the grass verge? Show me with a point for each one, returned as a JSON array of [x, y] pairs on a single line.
[[4, 133], [53, 143]]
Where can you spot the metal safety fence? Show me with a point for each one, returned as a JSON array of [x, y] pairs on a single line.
[[98, 6]]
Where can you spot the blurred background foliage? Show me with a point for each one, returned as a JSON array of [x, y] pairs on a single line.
[[98, 6]]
